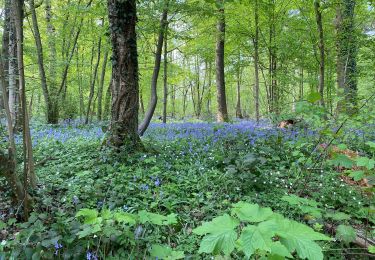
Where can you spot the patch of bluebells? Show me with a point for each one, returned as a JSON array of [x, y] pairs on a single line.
[[91, 256], [57, 247]]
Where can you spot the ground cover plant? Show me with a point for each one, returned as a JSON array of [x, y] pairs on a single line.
[[90, 205]]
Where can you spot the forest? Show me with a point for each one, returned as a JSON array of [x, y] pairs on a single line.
[[187, 129]]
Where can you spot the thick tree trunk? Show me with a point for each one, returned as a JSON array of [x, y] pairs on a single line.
[[318, 15], [92, 83], [5, 51], [165, 76], [346, 64], [256, 61], [101, 86], [124, 86], [13, 83], [222, 113], [154, 81]]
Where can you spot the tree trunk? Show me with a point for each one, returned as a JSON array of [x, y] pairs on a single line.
[[222, 113], [346, 64], [256, 61], [238, 106], [318, 15], [13, 84], [165, 78], [29, 173], [107, 100], [124, 86], [42, 73], [154, 81], [101, 85], [5, 52], [92, 83]]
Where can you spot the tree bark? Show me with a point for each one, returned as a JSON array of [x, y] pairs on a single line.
[[13, 83], [346, 64], [154, 81], [124, 86], [318, 15], [222, 113], [5, 51], [238, 105]]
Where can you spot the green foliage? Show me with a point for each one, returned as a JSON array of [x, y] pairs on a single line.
[[346, 234], [221, 234], [165, 252]]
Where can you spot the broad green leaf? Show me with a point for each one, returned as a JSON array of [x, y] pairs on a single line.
[[338, 216], [90, 215], [292, 229], [165, 252], [257, 237], [313, 97], [371, 144], [279, 249], [126, 218], [221, 235], [217, 225], [357, 175], [170, 219], [371, 249], [345, 233], [342, 160], [295, 200], [305, 248], [251, 212], [152, 218], [365, 162]]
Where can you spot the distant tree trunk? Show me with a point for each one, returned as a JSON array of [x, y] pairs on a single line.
[[301, 84], [107, 100], [142, 106], [124, 85], [154, 81], [209, 84], [101, 86], [222, 113], [346, 65], [274, 91], [29, 173], [42, 73], [165, 77], [256, 61], [92, 83], [184, 105], [238, 106], [173, 100], [318, 15], [53, 113]]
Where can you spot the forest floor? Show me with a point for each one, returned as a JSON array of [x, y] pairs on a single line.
[[194, 170]]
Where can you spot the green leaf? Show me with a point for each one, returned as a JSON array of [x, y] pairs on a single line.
[[346, 234], [251, 212], [338, 216], [279, 249], [365, 162], [341, 160], [371, 144], [305, 248], [170, 219], [371, 249], [313, 97], [257, 237], [295, 200], [90, 215], [357, 175], [220, 236], [126, 218], [2, 225], [165, 252]]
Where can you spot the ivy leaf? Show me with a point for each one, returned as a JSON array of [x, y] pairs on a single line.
[[221, 235], [257, 237], [165, 252], [346, 234], [251, 212]]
